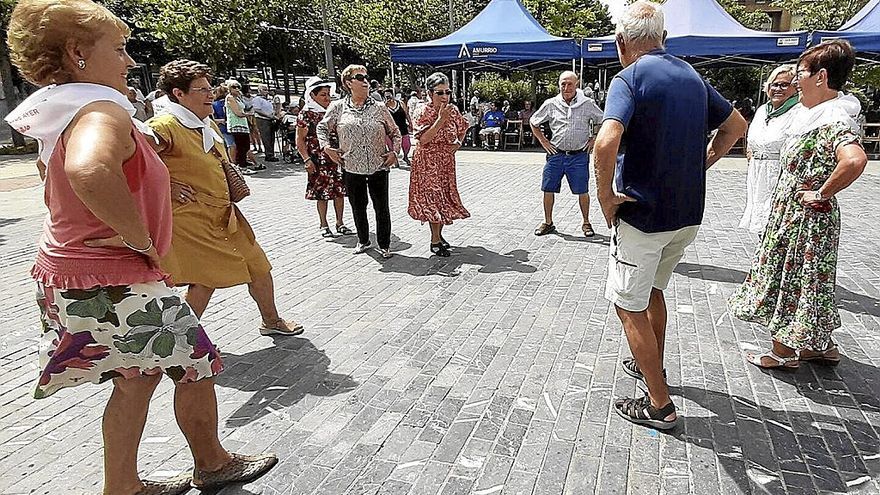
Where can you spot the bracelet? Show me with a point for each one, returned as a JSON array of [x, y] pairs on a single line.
[[142, 251], [307, 159]]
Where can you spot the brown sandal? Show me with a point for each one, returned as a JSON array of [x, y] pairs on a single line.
[[545, 228], [828, 357], [588, 230]]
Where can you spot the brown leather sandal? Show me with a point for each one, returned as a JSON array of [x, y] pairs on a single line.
[[588, 230], [545, 229]]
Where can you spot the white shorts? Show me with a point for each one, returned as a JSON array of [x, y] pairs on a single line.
[[490, 130], [640, 261]]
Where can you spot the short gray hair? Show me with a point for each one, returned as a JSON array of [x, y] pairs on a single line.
[[641, 21], [568, 73], [436, 79]]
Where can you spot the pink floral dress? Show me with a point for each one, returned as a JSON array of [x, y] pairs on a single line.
[[433, 192]]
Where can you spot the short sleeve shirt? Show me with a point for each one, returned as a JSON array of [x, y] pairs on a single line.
[[667, 111]]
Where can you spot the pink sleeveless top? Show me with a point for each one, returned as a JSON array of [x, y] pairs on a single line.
[[63, 261]]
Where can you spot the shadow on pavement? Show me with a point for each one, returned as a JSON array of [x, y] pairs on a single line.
[[488, 261], [830, 448], [596, 239], [850, 384], [847, 300], [277, 170], [280, 376]]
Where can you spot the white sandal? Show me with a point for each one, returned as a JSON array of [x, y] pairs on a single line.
[[789, 363]]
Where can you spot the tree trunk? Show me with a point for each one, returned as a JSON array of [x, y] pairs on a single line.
[[9, 90]]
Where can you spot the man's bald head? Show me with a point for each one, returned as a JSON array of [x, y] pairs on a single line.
[[568, 83]]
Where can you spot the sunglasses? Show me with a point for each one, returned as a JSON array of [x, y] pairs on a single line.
[[443, 93], [359, 77], [780, 85]]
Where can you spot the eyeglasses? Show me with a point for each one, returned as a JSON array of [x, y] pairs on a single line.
[[203, 90], [443, 93], [360, 77], [780, 85], [234, 87]]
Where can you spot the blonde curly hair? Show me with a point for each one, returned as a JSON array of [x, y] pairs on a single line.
[[41, 30]]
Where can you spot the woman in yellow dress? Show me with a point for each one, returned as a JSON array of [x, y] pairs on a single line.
[[212, 246]]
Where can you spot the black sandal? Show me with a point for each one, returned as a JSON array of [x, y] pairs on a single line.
[[641, 412], [631, 368], [440, 250], [445, 243]]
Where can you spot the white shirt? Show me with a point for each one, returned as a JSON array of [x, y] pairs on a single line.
[[571, 124], [160, 105]]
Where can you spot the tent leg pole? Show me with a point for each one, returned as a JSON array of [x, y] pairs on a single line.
[[573, 65], [581, 74], [393, 80]]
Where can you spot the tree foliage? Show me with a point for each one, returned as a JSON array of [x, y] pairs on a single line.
[[821, 14]]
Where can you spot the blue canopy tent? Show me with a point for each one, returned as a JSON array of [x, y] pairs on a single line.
[[702, 32], [862, 31], [503, 36]]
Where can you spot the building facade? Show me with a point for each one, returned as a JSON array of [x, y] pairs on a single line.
[[780, 19]]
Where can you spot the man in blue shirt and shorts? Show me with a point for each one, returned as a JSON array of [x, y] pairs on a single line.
[[662, 111]]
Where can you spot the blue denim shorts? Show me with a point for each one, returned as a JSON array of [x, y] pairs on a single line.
[[575, 168]]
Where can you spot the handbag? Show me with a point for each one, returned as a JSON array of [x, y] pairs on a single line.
[[238, 188]]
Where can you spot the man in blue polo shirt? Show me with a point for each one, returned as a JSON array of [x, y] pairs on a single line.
[[491, 124], [661, 111]]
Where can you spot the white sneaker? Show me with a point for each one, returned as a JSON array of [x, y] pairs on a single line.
[[361, 248], [386, 253]]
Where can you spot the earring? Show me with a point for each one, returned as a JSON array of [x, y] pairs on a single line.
[[81, 64]]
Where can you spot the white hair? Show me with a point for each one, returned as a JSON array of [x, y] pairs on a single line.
[[566, 74], [642, 21]]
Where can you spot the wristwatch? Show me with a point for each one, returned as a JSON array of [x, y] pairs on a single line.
[[817, 196]]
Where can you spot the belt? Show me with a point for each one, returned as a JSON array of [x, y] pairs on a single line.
[[571, 152]]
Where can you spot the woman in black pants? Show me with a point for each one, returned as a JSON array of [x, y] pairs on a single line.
[[361, 125]]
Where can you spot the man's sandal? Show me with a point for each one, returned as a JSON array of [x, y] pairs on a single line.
[[545, 228], [789, 363], [641, 412], [588, 230], [828, 357], [631, 368]]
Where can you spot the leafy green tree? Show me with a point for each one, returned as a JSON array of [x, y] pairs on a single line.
[[821, 14]]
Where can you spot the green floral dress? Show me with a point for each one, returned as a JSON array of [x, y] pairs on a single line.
[[790, 288]]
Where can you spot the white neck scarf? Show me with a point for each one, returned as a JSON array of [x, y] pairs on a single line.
[[844, 108], [45, 115], [190, 121]]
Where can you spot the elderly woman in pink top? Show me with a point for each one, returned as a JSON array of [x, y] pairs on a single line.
[[107, 312]]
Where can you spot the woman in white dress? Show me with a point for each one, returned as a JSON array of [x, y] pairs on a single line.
[[765, 138]]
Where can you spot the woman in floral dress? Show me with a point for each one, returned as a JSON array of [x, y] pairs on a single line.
[[790, 288], [325, 180], [433, 194]]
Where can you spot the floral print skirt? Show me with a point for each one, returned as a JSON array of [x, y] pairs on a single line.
[[95, 335], [325, 184]]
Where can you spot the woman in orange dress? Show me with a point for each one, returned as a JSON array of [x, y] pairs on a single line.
[[433, 193]]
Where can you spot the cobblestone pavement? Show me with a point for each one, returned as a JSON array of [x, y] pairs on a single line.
[[492, 371]]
